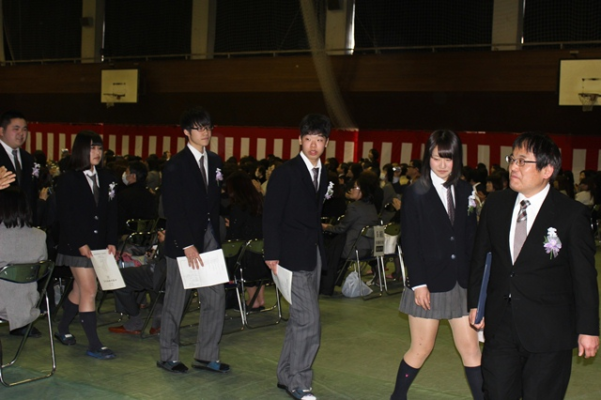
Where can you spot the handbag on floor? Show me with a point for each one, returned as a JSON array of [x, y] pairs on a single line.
[[354, 287]]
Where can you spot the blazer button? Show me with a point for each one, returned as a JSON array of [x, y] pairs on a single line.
[[452, 239], [95, 231], [453, 256], [512, 275], [96, 217]]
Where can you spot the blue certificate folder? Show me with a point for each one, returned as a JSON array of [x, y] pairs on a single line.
[[483, 287]]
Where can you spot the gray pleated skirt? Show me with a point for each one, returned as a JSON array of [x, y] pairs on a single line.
[[445, 305], [73, 261]]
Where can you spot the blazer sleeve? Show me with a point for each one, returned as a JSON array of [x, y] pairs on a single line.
[[174, 187], [411, 223], [278, 190], [482, 246], [584, 275]]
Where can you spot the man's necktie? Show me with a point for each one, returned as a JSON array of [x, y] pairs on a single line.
[[521, 229], [315, 174], [17, 165], [95, 188], [450, 205], [202, 171]]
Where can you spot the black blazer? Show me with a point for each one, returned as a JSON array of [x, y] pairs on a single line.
[[28, 182], [292, 216], [188, 204], [436, 253], [552, 299], [80, 221]]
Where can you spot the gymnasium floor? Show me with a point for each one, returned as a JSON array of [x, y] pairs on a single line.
[[362, 344]]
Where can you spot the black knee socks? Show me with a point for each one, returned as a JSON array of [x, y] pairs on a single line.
[[70, 310], [88, 321], [474, 379], [404, 378]]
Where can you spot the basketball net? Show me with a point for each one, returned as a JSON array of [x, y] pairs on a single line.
[[588, 100]]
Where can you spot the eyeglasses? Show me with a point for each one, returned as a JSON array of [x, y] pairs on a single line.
[[356, 188], [520, 162]]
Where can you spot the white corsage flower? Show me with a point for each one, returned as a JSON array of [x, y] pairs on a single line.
[[112, 190], [330, 190], [471, 203], [552, 243], [35, 171], [218, 175]]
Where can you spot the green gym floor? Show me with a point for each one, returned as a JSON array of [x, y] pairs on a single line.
[[362, 343]]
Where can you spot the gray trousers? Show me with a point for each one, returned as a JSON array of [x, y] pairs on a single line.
[[303, 331], [212, 312]]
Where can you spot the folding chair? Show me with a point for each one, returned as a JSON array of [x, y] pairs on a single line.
[[254, 246], [392, 249], [28, 273], [231, 252], [142, 246], [375, 254]]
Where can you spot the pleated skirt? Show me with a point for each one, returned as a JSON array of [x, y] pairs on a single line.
[[444, 305]]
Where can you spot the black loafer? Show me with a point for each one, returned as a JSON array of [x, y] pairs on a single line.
[[173, 366], [213, 366], [33, 333], [282, 386], [67, 339]]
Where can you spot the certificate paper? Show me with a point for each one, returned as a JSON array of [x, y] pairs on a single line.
[[107, 270], [212, 273], [283, 281]]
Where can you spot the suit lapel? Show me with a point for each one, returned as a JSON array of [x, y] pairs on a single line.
[[192, 166], [434, 204]]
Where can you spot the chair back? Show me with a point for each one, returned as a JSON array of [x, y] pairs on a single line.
[[26, 272], [232, 248], [255, 246], [141, 225]]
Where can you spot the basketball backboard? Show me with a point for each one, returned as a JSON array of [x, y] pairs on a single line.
[[579, 77], [119, 86]]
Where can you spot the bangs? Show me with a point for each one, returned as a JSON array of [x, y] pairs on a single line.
[[445, 148]]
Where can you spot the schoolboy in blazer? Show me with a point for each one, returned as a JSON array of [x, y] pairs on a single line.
[[546, 302], [191, 208], [293, 238], [13, 134]]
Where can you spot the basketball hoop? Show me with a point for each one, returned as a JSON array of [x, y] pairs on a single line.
[[588, 100]]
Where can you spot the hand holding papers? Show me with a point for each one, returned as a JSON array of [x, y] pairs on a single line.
[[283, 281], [212, 273], [107, 270]]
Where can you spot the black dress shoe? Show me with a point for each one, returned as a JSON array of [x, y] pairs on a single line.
[[34, 333], [282, 386], [173, 366]]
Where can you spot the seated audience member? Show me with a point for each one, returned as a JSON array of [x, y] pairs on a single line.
[[332, 164], [19, 243], [585, 195], [414, 170], [563, 184], [352, 174], [360, 213], [148, 277], [494, 183], [135, 201], [276, 162], [245, 222]]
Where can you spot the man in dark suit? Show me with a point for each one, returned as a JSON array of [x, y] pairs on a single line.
[[293, 239], [542, 297], [13, 134], [191, 195]]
